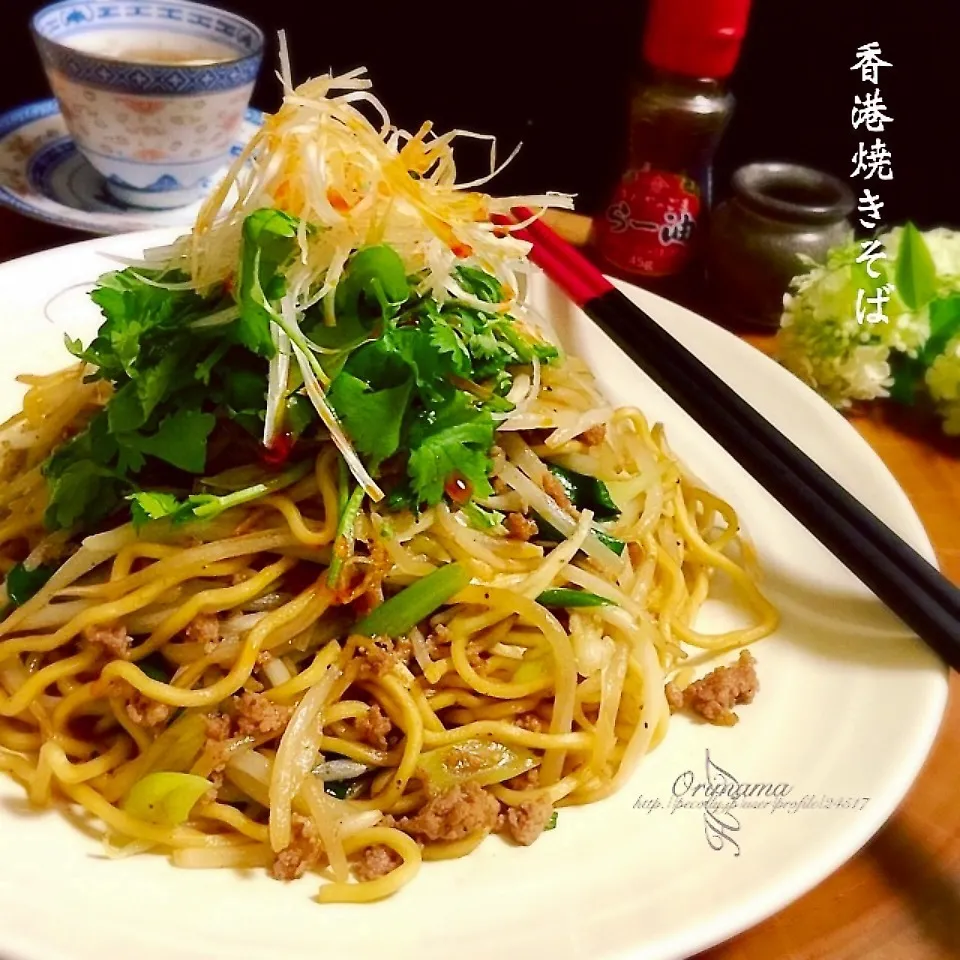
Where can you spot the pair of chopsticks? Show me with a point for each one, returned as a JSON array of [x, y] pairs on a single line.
[[903, 580]]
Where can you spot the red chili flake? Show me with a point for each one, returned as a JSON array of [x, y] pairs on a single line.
[[277, 454], [462, 250], [458, 490], [337, 200]]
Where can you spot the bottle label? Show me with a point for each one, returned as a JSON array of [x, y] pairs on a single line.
[[650, 225]]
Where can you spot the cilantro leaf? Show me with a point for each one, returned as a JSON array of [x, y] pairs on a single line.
[[374, 285], [140, 320], [456, 439], [373, 418], [299, 414], [81, 492], [479, 284], [446, 340], [22, 583], [146, 506], [269, 243], [131, 407], [181, 440]]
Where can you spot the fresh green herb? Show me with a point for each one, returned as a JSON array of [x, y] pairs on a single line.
[[299, 414], [564, 598], [403, 611], [552, 822], [452, 440], [22, 583], [147, 506], [269, 243], [401, 497], [586, 493], [170, 380], [374, 284], [373, 418], [406, 373]]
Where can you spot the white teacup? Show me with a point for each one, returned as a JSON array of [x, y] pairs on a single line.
[[153, 93]]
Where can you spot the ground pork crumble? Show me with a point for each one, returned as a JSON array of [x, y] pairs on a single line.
[[714, 696]]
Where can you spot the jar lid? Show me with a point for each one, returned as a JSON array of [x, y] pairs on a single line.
[[695, 38]]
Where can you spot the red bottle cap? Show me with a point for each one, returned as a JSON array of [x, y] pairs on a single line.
[[695, 38]]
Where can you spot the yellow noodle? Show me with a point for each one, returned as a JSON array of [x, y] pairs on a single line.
[[257, 576], [371, 890]]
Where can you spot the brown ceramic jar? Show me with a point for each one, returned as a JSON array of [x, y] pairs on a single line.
[[778, 211]]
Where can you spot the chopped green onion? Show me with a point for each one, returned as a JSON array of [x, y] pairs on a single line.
[[22, 583], [547, 531], [343, 485], [562, 597], [344, 789], [343, 542], [552, 822], [402, 612], [586, 493], [155, 667]]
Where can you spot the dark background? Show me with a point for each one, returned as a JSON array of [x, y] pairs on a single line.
[[555, 75]]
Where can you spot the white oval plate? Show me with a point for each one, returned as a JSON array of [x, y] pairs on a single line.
[[848, 709], [43, 175]]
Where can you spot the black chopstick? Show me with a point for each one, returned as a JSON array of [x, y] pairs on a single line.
[[903, 580]]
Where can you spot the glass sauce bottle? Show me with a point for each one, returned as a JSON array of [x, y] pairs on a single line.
[[651, 230]]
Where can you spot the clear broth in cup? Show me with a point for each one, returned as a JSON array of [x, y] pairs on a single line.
[[154, 49]]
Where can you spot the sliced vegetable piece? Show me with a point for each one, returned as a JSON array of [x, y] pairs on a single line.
[[165, 798], [402, 612], [530, 669], [478, 761], [344, 789], [479, 517], [563, 597]]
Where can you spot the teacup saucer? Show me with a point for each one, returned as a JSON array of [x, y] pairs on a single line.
[[43, 176]]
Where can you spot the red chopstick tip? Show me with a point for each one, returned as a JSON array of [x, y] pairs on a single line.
[[559, 260]]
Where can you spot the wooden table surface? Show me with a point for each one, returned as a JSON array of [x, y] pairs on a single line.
[[899, 899]]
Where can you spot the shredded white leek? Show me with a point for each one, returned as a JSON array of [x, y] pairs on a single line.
[[331, 157]]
